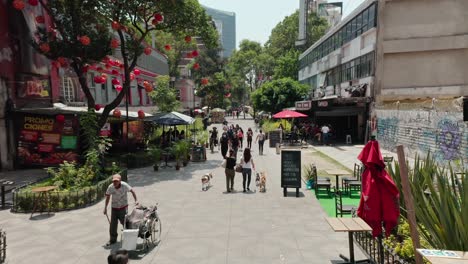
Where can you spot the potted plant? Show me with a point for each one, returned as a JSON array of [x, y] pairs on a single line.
[[309, 172], [156, 154], [177, 150], [185, 148]]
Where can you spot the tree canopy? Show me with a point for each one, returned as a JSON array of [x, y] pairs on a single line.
[[83, 33], [164, 96], [278, 94]]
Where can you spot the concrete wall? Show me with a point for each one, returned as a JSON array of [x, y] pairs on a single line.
[[444, 134], [425, 44]]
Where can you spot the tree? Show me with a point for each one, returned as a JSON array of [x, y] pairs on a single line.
[[84, 32], [285, 33], [287, 66], [164, 96], [278, 94]]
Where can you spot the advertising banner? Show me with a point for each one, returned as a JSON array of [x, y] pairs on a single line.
[[42, 140]]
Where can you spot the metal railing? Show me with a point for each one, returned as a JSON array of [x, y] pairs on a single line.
[[370, 246], [2, 246]]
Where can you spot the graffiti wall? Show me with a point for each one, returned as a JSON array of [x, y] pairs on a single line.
[[444, 134]]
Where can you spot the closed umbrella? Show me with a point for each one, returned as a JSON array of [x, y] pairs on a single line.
[[379, 196]]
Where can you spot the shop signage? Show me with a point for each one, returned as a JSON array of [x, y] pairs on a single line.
[[44, 141], [274, 137], [303, 105], [322, 103], [31, 86], [291, 170]]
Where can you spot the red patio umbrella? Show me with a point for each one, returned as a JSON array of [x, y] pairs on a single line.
[[288, 114], [379, 196]]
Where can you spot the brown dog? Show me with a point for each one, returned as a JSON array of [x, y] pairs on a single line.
[[205, 180], [262, 183]]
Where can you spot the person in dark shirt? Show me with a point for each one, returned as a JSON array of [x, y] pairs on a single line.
[[224, 140], [230, 172]]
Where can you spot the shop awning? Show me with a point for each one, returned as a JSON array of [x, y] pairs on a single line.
[[341, 112], [171, 119]]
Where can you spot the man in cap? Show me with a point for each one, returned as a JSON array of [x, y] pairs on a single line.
[[118, 190]]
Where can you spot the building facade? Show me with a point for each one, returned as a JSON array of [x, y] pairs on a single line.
[[405, 62], [225, 23], [31, 87]]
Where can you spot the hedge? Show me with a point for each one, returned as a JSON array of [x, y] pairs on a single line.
[[23, 201]]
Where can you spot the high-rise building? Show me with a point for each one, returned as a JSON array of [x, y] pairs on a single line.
[[226, 26]]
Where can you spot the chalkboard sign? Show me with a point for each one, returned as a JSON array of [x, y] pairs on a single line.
[[198, 153], [274, 137], [291, 170]]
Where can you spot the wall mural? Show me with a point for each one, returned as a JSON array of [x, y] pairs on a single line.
[[443, 134]]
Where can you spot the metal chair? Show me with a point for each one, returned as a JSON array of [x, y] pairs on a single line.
[[353, 183], [340, 208], [323, 183]]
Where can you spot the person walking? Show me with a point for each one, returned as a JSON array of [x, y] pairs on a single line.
[[224, 141], [325, 131], [229, 171], [118, 190], [261, 139], [247, 166], [249, 138], [240, 135]]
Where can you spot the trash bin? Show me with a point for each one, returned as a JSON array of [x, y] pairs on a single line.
[[278, 149]]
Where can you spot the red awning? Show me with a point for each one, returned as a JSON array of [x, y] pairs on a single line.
[[288, 114]]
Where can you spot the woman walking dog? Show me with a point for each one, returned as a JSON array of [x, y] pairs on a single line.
[[247, 166]]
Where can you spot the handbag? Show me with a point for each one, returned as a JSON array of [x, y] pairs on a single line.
[[223, 164], [238, 168]]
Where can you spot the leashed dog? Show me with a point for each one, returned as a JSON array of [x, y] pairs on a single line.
[[260, 181], [205, 181]]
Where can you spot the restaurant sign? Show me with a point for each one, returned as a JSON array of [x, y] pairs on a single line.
[[42, 140], [303, 105]]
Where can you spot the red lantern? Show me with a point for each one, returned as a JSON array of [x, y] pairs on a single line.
[[85, 40], [106, 59], [114, 43], [60, 118], [141, 114], [99, 69], [188, 39], [132, 76], [115, 81], [104, 76], [97, 107], [85, 69], [33, 2], [108, 66], [115, 25], [204, 81], [148, 87], [40, 19], [167, 47], [158, 17], [195, 53], [115, 72], [147, 51], [136, 72], [117, 113], [44, 47], [196, 66], [18, 4], [118, 88], [97, 79]]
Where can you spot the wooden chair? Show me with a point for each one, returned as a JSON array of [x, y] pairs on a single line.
[[353, 183], [323, 183], [340, 208]]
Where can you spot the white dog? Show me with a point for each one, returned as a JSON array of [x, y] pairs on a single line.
[[205, 180]]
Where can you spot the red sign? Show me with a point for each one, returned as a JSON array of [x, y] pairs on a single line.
[[29, 135], [45, 148]]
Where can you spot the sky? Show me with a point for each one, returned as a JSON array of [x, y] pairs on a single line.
[[256, 18]]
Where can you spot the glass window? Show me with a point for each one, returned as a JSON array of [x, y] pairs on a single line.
[[372, 17], [365, 20]]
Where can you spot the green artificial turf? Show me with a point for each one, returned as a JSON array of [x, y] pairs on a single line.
[[328, 202]]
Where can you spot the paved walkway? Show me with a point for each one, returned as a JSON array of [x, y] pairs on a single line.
[[198, 227]]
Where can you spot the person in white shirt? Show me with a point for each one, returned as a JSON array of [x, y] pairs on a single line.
[[261, 139], [247, 166], [118, 190], [325, 131]]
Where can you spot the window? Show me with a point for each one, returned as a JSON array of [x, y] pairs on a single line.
[[359, 25], [68, 92], [372, 17], [365, 20]]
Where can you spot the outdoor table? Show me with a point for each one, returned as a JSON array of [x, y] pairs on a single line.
[[337, 173], [349, 225], [4, 183], [42, 197], [448, 260]]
